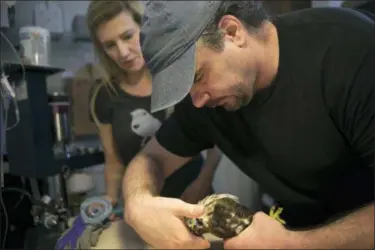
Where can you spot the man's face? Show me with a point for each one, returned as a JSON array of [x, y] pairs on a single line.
[[225, 78]]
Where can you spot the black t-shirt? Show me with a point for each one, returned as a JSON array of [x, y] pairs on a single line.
[[308, 139], [133, 125]]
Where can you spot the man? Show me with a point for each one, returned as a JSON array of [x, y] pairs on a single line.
[[290, 101]]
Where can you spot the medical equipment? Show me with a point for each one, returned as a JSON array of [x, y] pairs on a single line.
[[35, 42], [31, 135], [88, 225], [7, 93], [95, 210]]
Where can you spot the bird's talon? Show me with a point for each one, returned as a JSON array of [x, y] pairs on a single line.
[[276, 215], [279, 210], [272, 210], [282, 221]]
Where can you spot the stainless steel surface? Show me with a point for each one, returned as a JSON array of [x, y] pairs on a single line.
[[50, 220], [54, 187], [58, 193], [60, 112]]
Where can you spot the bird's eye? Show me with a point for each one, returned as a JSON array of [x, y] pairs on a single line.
[[199, 222]]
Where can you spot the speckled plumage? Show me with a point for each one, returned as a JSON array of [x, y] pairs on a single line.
[[224, 217]]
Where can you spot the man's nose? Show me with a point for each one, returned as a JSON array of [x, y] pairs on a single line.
[[199, 98]]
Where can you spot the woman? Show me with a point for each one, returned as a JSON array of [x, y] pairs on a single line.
[[120, 104]]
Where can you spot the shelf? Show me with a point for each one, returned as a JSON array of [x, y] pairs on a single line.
[[16, 67], [85, 161]]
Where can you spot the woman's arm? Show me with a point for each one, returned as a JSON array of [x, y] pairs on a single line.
[[202, 185], [113, 168], [101, 113], [212, 161]]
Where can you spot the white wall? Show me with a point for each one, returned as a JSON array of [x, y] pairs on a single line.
[[69, 9], [332, 3], [65, 53]]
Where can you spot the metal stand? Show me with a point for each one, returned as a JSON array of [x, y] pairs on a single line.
[[57, 192]]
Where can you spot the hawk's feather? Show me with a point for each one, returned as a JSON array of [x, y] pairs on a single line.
[[224, 216]]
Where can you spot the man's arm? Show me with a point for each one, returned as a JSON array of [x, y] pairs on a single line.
[[353, 113], [175, 143], [146, 172], [354, 231]]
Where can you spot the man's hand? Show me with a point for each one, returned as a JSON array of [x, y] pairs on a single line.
[[263, 233], [158, 222], [197, 191]]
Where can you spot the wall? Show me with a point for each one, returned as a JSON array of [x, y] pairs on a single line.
[[332, 3], [64, 53]]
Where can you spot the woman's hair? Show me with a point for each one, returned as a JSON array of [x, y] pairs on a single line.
[[98, 13], [252, 14]]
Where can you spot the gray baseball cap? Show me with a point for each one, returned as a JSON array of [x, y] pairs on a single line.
[[169, 32]]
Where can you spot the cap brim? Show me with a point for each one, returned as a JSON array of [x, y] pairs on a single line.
[[172, 85]]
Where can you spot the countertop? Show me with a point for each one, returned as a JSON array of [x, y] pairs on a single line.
[[122, 236], [118, 236]]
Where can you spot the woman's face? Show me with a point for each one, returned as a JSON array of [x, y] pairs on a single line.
[[120, 40]]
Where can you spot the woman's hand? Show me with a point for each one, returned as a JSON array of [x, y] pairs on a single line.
[[202, 186], [158, 221], [197, 191]]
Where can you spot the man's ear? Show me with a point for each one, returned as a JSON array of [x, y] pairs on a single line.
[[233, 30]]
